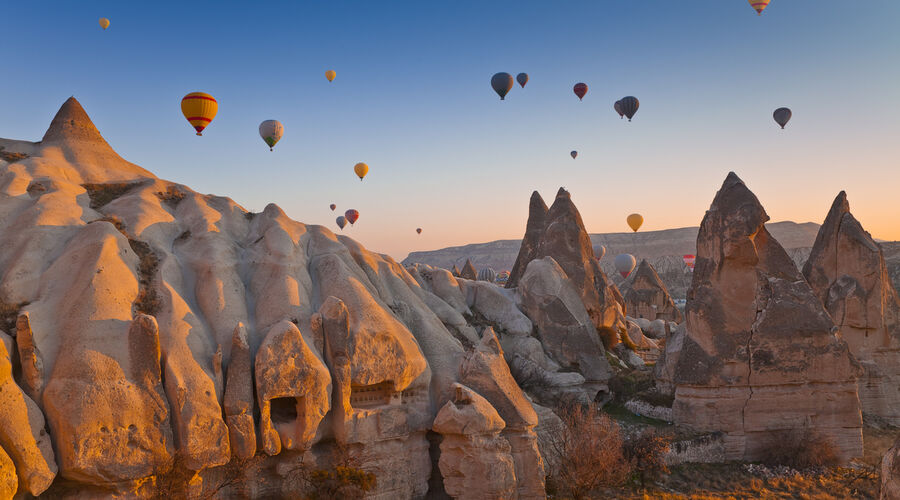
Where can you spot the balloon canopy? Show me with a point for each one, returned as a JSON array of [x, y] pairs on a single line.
[[104, 22], [199, 109], [502, 83], [635, 221], [341, 221], [624, 264], [629, 106], [271, 132], [361, 170], [782, 116], [351, 215], [522, 78], [574, 154], [599, 251], [330, 74], [580, 90], [759, 5]]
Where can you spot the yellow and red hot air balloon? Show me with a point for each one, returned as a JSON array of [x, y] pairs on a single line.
[[199, 109], [361, 170], [759, 5], [635, 221], [330, 74], [104, 23]]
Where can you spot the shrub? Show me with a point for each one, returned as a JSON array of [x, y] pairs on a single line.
[[9, 313], [625, 339], [646, 453], [801, 448], [627, 385], [172, 196], [10, 156], [340, 482], [584, 453], [608, 336], [101, 194], [147, 301]]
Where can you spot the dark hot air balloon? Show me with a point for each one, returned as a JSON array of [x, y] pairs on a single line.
[[502, 84], [629, 106], [419, 230], [522, 78], [351, 216], [574, 154], [618, 107], [580, 90], [782, 116], [332, 207], [341, 221]]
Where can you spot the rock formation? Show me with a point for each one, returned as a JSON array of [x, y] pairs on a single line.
[[648, 297], [890, 473], [760, 354], [847, 271], [179, 345], [468, 271], [475, 460], [559, 233]]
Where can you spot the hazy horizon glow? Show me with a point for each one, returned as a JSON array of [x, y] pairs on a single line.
[[412, 99]]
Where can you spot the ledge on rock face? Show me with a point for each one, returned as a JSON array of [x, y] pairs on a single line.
[[847, 271], [759, 355]]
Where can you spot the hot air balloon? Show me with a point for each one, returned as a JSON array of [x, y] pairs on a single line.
[[522, 78], [271, 132], [341, 221], [487, 274], [689, 261], [332, 206], [599, 251], [199, 109], [330, 74], [418, 230], [782, 116], [361, 170], [624, 264], [618, 107], [104, 22], [629, 106], [351, 216], [580, 90], [635, 221], [574, 154], [759, 5], [502, 84]]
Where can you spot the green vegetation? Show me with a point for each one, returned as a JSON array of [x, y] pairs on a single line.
[[102, 194]]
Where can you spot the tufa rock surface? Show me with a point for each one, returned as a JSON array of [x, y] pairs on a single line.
[[760, 354], [648, 297]]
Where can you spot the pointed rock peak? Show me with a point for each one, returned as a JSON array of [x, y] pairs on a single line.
[[489, 342], [536, 204], [562, 193], [732, 179], [72, 123], [454, 271], [468, 271], [735, 199], [840, 205]]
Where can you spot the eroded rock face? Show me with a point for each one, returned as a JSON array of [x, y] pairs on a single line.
[[648, 297], [760, 353], [292, 389], [847, 271], [475, 460], [559, 233], [890, 473], [468, 271], [562, 323], [22, 436], [239, 397]]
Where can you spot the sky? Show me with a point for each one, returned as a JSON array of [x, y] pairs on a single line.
[[412, 98]]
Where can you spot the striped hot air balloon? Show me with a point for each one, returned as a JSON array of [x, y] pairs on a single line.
[[689, 261], [487, 274], [199, 109], [351, 216], [580, 90], [629, 106], [759, 5]]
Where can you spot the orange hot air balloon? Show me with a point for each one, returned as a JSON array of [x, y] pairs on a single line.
[[351, 216], [199, 109], [361, 169], [759, 5], [635, 221]]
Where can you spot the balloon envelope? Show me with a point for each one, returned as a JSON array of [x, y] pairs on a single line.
[[782, 116], [341, 221], [419, 230], [624, 264], [599, 251], [580, 90], [502, 83], [330, 74], [351, 216], [104, 22], [574, 154], [361, 170], [635, 221], [271, 132], [522, 78], [759, 5], [629, 106], [199, 109], [332, 206], [689, 261], [618, 107]]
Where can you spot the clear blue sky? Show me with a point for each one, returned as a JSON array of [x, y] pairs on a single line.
[[412, 99]]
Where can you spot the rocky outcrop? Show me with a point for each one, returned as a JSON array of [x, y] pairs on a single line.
[[468, 271], [561, 321], [9, 483], [559, 233], [22, 434], [485, 371], [648, 298], [475, 460], [292, 388], [847, 271], [760, 354], [497, 306], [890, 473], [239, 396]]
